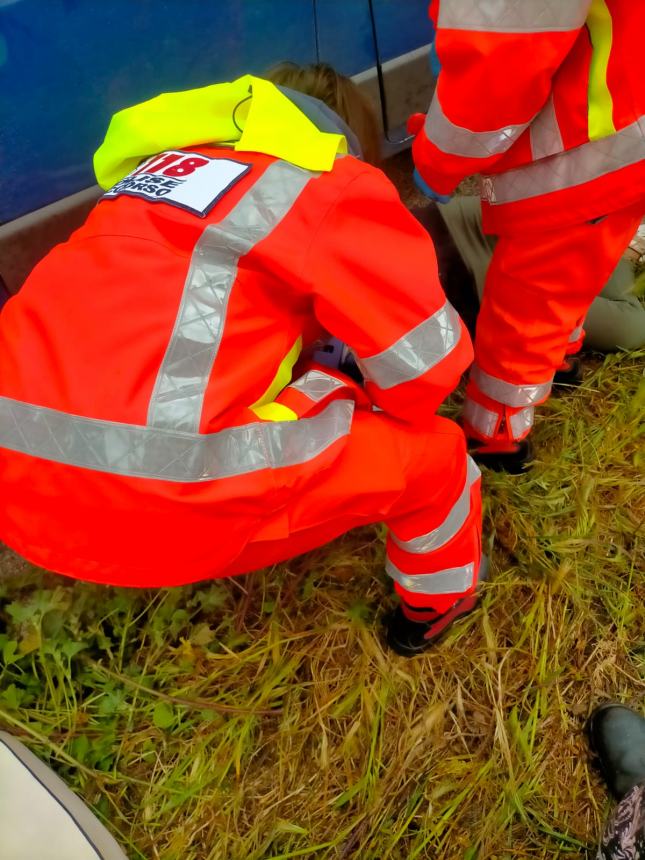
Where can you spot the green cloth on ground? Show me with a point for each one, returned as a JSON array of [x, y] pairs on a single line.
[[616, 319]]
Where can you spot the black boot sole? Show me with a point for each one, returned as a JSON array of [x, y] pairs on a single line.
[[512, 462]]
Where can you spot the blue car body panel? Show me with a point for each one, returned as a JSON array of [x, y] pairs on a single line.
[[67, 65]]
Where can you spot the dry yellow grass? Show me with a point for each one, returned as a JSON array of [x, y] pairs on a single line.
[[262, 718]]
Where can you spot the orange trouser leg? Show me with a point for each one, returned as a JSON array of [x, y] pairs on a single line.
[[538, 290], [420, 482]]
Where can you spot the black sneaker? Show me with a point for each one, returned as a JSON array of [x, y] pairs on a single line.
[[617, 738], [569, 374], [513, 460], [409, 638]]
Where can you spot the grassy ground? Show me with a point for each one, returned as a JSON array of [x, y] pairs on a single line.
[[262, 718]]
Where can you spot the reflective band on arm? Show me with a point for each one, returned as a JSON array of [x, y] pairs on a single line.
[[457, 140], [151, 452], [453, 580], [317, 385], [451, 525], [416, 352], [507, 392], [178, 394], [545, 133], [574, 167], [513, 16]]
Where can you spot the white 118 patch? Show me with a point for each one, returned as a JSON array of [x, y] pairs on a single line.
[[186, 179]]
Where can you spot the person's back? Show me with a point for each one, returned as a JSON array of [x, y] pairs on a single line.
[[176, 311]]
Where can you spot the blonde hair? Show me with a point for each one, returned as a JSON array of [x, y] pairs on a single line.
[[340, 94]]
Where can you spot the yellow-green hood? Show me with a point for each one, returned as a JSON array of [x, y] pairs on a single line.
[[249, 114]]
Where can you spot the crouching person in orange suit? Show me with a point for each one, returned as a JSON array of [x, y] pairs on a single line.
[[159, 420]]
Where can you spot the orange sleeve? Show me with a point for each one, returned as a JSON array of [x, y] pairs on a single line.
[[375, 284], [497, 64]]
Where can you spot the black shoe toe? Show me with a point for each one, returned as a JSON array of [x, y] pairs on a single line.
[[617, 737]]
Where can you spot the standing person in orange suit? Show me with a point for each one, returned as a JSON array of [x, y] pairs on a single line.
[[545, 100]]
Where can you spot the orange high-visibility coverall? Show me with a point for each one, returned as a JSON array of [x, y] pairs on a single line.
[[150, 433], [545, 100]]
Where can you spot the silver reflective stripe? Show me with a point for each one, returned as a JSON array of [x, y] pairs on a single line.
[[457, 140], [508, 392], [576, 166], [481, 419], [178, 394], [521, 422], [577, 333], [317, 385], [454, 580], [450, 526], [416, 352], [151, 452], [545, 133], [513, 16]]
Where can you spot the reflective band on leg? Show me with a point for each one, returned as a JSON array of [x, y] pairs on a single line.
[[507, 392], [416, 352], [150, 452], [482, 420], [576, 334], [453, 580], [457, 140], [521, 16], [574, 167], [316, 385], [451, 525], [521, 422], [178, 395]]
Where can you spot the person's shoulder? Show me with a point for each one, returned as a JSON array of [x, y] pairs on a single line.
[[351, 174]]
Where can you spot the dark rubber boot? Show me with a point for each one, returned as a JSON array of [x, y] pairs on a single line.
[[617, 738], [409, 638], [569, 374], [513, 458]]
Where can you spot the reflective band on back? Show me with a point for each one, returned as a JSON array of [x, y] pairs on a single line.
[[507, 392], [451, 525], [521, 422], [416, 352], [457, 140], [316, 385], [482, 420], [513, 16], [453, 580], [545, 133], [574, 167], [178, 394], [151, 452]]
